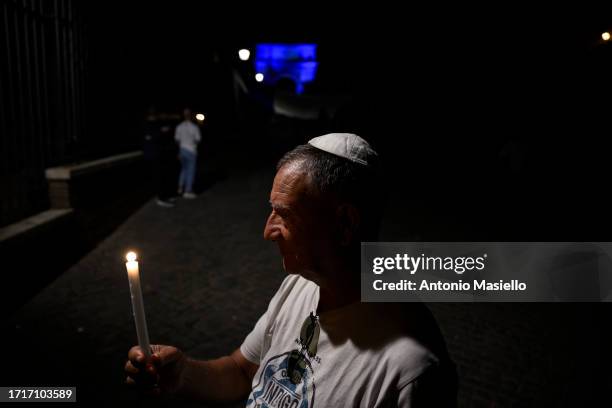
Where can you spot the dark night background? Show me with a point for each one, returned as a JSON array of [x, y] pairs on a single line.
[[438, 90], [493, 122]]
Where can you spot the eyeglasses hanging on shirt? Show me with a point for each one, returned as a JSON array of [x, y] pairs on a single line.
[[309, 339]]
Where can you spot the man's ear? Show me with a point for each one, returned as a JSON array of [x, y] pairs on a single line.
[[349, 220]]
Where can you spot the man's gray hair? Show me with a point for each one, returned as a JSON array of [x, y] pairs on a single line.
[[354, 183]]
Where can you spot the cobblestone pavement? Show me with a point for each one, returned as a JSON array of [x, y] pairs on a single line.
[[207, 272], [208, 276]]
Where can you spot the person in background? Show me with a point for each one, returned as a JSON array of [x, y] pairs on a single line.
[[188, 136], [157, 150]]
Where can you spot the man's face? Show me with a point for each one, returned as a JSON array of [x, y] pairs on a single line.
[[301, 223]]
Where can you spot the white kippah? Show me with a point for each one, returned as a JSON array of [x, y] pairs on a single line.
[[345, 145]]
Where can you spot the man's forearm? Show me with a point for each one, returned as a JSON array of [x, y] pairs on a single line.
[[219, 380]]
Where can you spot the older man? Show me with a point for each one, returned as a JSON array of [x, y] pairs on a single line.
[[317, 344]]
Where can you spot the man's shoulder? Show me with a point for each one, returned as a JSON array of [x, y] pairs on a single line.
[[413, 361], [292, 293], [407, 336], [293, 287], [411, 355], [295, 284]]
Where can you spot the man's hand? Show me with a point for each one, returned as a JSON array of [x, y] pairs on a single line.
[[163, 373], [225, 379]]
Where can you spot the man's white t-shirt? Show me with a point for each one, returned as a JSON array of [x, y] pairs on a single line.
[[366, 354], [187, 134]]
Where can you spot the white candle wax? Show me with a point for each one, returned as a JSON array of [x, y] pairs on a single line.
[[137, 304]]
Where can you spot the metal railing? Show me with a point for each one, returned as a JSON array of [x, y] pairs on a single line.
[[42, 81]]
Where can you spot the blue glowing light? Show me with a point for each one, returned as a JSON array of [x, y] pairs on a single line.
[[294, 61]]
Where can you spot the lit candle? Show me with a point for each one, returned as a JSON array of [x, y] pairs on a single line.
[[137, 304]]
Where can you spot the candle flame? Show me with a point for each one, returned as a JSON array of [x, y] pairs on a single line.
[[130, 256]]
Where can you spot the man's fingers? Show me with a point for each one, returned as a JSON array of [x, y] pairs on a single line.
[[130, 369], [165, 354], [136, 355], [145, 375]]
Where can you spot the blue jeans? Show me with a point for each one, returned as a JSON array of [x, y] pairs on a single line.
[[188, 169]]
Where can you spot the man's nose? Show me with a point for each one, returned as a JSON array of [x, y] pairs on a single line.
[[271, 231]]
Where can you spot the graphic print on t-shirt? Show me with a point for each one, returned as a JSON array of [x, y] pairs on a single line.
[[286, 381]]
